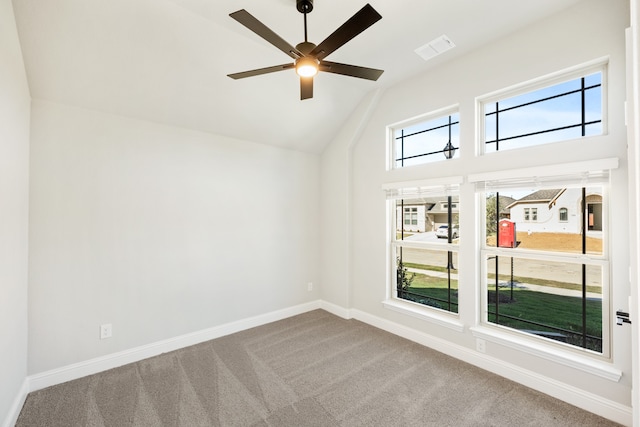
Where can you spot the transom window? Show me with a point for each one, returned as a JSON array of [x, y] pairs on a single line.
[[433, 139], [568, 110]]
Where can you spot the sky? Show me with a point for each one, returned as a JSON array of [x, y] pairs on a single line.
[[557, 112]]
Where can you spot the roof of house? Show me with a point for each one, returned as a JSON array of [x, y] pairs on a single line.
[[541, 196], [432, 204]]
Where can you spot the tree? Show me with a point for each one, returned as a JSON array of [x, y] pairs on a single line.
[[493, 211], [403, 280]]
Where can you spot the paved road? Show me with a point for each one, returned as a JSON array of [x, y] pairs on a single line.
[[544, 270]]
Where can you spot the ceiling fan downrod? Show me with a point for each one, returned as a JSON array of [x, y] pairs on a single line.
[[304, 7]]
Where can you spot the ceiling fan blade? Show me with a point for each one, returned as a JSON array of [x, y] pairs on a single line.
[[350, 70], [260, 71], [306, 87], [252, 23], [359, 22]]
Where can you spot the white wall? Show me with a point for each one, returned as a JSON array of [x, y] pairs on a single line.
[[548, 218], [633, 93], [591, 30], [136, 224], [14, 185]]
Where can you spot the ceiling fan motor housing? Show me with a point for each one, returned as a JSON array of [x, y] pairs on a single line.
[[304, 6], [305, 47]]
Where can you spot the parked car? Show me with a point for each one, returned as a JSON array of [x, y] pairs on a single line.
[[443, 232]]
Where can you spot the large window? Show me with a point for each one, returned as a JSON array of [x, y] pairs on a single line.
[[568, 110], [425, 255], [550, 279], [538, 244], [433, 138]]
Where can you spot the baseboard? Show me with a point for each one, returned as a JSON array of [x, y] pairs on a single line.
[[100, 364], [588, 401], [335, 309], [575, 396], [16, 407]]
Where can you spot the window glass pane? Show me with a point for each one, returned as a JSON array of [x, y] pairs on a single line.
[[428, 277], [556, 224], [427, 141], [427, 219], [546, 115], [564, 214], [544, 298]]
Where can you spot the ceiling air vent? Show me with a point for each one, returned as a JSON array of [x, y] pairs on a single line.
[[435, 47]]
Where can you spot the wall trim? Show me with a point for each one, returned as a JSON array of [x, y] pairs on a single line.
[[588, 401], [110, 361], [335, 309], [572, 395], [18, 403], [573, 360]]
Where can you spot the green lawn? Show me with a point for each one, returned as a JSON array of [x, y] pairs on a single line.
[[506, 277], [434, 291], [552, 310]]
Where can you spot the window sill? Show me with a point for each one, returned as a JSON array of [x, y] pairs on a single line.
[[571, 359], [430, 315]]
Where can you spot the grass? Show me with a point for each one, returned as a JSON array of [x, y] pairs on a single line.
[[555, 311], [436, 290], [520, 279], [425, 267], [546, 282]]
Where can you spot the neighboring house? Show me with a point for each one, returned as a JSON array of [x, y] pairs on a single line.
[[556, 211], [505, 202], [425, 214]]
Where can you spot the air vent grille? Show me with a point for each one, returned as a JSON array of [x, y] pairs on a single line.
[[435, 47]]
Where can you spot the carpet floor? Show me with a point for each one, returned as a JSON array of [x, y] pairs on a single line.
[[314, 369]]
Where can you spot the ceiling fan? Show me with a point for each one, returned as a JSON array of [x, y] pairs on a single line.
[[308, 57]]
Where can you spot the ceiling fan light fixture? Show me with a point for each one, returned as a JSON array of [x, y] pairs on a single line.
[[309, 58], [307, 66]]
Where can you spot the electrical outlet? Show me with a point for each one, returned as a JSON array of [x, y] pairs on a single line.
[[105, 331], [481, 345], [309, 286]]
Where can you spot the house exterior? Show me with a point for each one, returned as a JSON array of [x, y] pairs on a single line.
[[425, 214], [556, 211]]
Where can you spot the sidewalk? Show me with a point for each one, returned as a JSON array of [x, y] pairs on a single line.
[[536, 288]]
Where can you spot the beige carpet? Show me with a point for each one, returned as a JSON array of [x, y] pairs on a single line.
[[310, 370]]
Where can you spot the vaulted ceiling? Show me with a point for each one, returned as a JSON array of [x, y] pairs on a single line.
[[167, 60]]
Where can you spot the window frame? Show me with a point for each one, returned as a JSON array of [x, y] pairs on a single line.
[[407, 190], [567, 173], [563, 214], [599, 65], [410, 211], [433, 115]]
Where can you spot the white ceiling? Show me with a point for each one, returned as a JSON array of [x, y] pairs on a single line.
[[167, 60]]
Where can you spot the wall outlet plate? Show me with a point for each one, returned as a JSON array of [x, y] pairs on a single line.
[[105, 331]]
